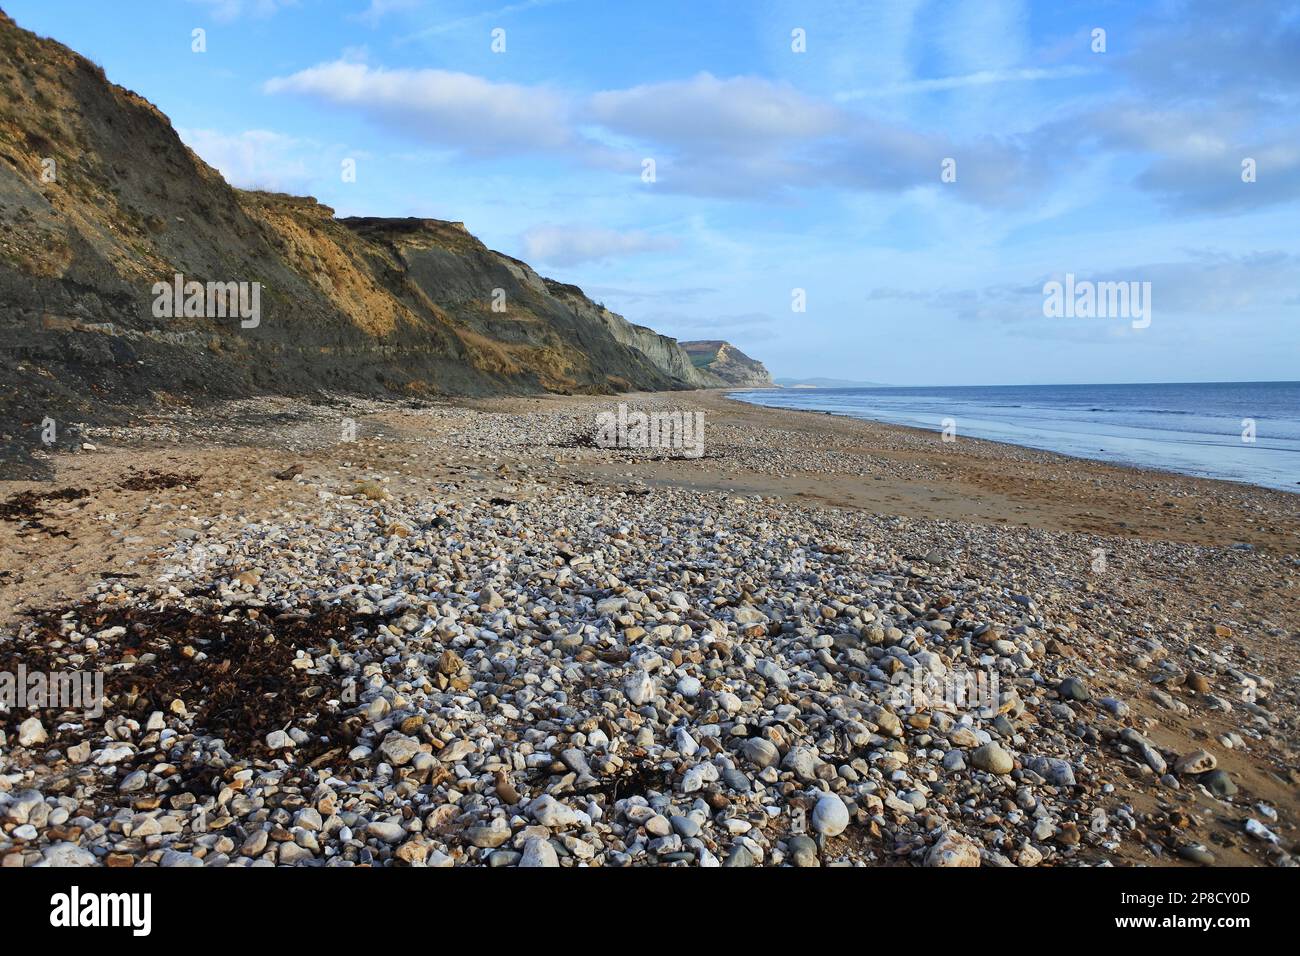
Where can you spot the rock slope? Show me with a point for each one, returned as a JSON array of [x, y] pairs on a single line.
[[666, 352]]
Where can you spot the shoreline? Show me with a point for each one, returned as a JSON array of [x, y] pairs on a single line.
[[542, 620], [913, 440], [1156, 469]]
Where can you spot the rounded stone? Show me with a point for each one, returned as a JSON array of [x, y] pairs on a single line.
[[830, 816], [689, 687], [953, 849], [802, 762], [639, 687], [1197, 853], [1073, 688], [803, 851], [1198, 761], [1218, 783], [992, 758], [685, 827], [539, 852], [761, 753], [31, 732]]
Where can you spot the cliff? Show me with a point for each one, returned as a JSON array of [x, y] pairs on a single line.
[[727, 363], [100, 201], [664, 351]]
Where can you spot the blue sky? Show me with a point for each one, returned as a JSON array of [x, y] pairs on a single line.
[[779, 170]]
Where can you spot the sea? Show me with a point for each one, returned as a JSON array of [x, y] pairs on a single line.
[[1238, 431]]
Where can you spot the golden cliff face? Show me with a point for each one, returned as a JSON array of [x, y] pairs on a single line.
[[100, 200]]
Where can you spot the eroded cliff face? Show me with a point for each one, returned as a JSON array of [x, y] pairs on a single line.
[[100, 200], [663, 350], [727, 363]]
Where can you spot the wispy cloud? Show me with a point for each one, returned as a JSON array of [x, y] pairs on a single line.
[[378, 9], [1229, 288], [979, 78], [457, 23], [739, 329], [225, 11], [736, 114], [657, 294], [736, 137], [567, 245], [255, 159], [466, 112]]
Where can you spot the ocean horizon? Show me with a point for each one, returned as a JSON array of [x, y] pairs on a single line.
[[1236, 431]]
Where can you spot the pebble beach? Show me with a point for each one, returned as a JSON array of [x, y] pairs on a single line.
[[465, 635]]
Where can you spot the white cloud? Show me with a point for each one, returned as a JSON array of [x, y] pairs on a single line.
[[454, 109], [1227, 287], [732, 114], [738, 137], [570, 245], [1195, 156], [255, 158]]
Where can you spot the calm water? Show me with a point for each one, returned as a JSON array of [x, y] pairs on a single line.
[[1195, 429]]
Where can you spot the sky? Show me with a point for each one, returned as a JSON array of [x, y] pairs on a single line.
[[912, 173]]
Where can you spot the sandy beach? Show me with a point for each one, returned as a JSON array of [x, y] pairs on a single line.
[[497, 644]]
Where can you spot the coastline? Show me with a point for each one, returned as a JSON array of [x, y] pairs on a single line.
[[1228, 506], [873, 543], [1116, 461]]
